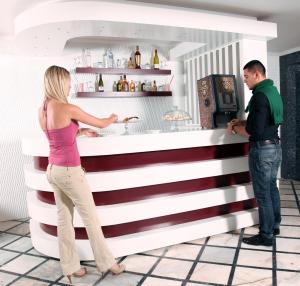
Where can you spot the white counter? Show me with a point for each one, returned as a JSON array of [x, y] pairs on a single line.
[[168, 191]]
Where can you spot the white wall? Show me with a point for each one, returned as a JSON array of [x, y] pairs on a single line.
[[21, 81], [273, 71]]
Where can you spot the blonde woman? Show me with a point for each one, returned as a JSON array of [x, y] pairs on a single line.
[[59, 120]]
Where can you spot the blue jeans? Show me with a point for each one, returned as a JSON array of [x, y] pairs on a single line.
[[264, 162]]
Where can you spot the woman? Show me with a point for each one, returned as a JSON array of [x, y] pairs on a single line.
[[59, 120]]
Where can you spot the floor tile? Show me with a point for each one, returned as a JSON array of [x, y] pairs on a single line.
[[288, 278], [23, 244], [156, 252], [22, 264], [288, 211], [291, 220], [5, 225], [173, 268], [195, 284], [255, 258], [288, 204], [6, 256], [35, 252], [126, 279], [225, 239], [287, 197], [290, 231], [184, 251], [198, 241], [252, 230], [250, 276], [288, 245], [90, 278], [29, 282], [6, 278], [7, 238], [152, 281], [50, 270], [205, 272], [139, 263], [218, 254], [22, 229], [288, 261]]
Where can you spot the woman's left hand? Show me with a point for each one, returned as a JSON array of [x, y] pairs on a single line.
[[88, 132]]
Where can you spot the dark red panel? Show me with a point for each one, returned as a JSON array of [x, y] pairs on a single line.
[[146, 192], [133, 160], [149, 224]]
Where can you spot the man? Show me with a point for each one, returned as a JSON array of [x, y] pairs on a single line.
[[265, 115]]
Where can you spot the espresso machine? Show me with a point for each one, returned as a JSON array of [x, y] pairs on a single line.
[[217, 100]]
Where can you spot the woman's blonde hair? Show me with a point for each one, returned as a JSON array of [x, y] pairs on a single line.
[[56, 83]]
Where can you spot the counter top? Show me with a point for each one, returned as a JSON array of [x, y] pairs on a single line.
[[122, 144]]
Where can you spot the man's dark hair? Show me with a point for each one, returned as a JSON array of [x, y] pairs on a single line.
[[254, 66]]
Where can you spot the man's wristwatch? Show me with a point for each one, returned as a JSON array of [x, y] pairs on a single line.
[[233, 131]]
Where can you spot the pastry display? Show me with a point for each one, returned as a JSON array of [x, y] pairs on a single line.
[[176, 115]]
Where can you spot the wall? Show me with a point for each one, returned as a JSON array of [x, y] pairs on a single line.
[[21, 81]]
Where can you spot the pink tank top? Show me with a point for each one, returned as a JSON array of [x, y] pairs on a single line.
[[63, 145]]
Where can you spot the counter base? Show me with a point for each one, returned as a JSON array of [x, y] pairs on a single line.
[[148, 240]]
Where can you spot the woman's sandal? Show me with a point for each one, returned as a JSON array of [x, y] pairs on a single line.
[[79, 273], [117, 269]]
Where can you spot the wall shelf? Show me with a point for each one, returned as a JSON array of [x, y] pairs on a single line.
[[114, 94], [119, 71]]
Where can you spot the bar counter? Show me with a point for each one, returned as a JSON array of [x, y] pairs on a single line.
[[150, 190]]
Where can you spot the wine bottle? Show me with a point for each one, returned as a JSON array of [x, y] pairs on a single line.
[[119, 84], [132, 86], [125, 85], [137, 58], [156, 60], [154, 87], [114, 87], [100, 83]]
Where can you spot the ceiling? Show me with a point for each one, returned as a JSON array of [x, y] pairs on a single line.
[[284, 13]]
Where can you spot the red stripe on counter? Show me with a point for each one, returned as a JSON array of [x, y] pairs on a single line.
[[147, 192], [159, 222], [133, 160]]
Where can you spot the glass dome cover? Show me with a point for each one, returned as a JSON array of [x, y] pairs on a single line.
[[176, 115]]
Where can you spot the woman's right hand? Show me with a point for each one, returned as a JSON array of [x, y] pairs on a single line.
[[113, 117]]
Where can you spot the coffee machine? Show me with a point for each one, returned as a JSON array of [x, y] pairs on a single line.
[[217, 100]]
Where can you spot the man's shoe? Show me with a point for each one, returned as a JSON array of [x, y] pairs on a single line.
[[276, 231], [258, 240]]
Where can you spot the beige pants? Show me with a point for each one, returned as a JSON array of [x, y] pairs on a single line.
[[71, 188]]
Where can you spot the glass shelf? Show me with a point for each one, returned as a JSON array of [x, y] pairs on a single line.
[[114, 94]]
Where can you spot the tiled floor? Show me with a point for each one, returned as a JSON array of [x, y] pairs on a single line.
[[218, 260]]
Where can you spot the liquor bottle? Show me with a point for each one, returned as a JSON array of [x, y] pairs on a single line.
[[125, 85], [137, 58], [114, 87], [119, 84], [100, 83], [156, 60], [132, 86], [130, 64], [154, 87]]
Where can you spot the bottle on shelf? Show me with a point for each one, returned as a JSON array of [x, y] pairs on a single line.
[[125, 85], [156, 60], [105, 59], [154, 86], [132, 86], [143, 87], [114, 87], [130, 64], [119, 84], [137, 58], [100, 83]]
